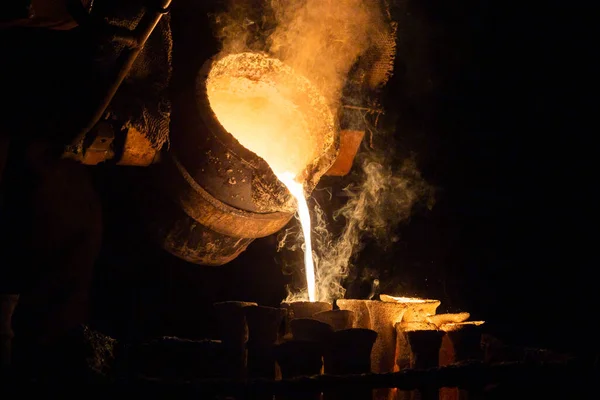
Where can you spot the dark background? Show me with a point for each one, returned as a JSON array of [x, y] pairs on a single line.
[[486, 95]]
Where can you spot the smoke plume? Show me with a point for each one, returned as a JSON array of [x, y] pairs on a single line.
[[381, 198], [320, 39]]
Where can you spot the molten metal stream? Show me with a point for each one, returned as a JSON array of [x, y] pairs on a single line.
[[297, 191]]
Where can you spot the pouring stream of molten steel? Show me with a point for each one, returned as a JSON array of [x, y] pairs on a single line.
[[297, 191]]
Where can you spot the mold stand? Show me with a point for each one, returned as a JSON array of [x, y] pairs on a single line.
[[425, 349], [383, 317], [263, 326], [350, 353], [302, 309], [361, 312], [234, 335], [403, 350], [303, 355], [402, 360], [461, 342], [299, 358], [311, 330], [338, 319]]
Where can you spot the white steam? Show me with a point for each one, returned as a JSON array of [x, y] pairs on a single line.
[[382, 198]]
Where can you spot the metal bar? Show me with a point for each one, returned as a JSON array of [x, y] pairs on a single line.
[[553, 377], [465, 376], [99, 26], [143, 31]]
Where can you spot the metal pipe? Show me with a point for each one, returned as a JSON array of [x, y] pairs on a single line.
[[142, 32], [99, 26]]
